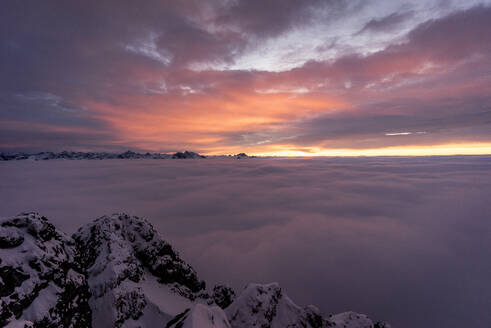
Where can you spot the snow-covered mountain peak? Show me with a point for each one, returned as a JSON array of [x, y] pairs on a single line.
[[122, 253], [129, 245], [118, 272], [268, 306]]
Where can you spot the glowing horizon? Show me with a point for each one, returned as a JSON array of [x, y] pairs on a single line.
[[435, 150]]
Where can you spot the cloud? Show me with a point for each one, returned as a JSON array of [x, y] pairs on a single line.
[[133, 75], [431, 47], [366, 234], [441, 123], [272, 17], [397, 89], [387, 23]]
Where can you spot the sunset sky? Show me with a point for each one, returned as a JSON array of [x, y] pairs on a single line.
[[275, 77]]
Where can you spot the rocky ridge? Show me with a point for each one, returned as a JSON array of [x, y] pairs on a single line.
[[118, 272], [71, 155]]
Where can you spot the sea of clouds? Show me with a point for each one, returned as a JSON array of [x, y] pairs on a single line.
[[405, 240]]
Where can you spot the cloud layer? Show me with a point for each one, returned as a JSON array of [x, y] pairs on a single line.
[[255, 76], [404, 240]]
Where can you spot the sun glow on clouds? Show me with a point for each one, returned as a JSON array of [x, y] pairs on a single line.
[[198, 118], [438, 150], [287, 78]]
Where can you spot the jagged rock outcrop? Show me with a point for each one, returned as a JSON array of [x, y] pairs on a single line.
[[223, 296], [40, 281], [187, 154], [118, 272], [126, 260]]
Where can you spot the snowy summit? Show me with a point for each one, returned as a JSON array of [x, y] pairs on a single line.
[[118, 272]]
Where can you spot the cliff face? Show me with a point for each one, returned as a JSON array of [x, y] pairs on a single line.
[[117, 272]]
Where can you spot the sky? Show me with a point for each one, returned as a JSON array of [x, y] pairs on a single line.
[[269, 77], [404, 240]]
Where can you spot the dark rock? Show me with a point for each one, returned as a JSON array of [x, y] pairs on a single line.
[[241, 155], [187, 154], [10, 238], [11, 278], [223, 295]]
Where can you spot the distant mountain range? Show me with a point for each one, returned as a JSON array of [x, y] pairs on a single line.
[[104, 155], [118, 272]]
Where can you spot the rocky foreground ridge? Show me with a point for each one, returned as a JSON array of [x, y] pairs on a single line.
[[118, 272]]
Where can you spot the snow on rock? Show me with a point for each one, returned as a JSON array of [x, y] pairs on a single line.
[[71, 155], [241, 156], [40, 283], [201, 316], [268, 306], [20, 324], [351, 320], [123, 254], [117, 272]]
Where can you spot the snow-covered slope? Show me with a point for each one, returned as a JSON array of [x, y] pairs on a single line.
[[118, 272], [40, 282], [201, 316]]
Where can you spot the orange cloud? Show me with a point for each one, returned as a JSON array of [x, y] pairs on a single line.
[[199, 119]]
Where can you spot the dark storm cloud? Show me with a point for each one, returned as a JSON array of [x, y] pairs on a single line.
[[272, 17], [57, 42], [75, 42]]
